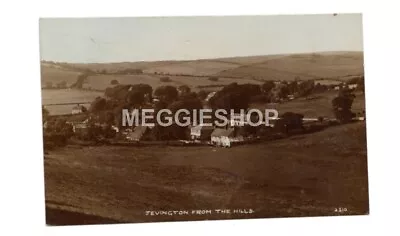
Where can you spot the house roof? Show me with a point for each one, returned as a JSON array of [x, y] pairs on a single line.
[[218, 132], [78, 107], [77, 118], [210, 95], [201, 127], [137, 132], [81, 126]]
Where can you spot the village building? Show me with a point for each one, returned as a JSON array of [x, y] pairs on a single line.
[[352, 86], [138, 133], [81, 129], [206, 104], [201, 132], [78, 109], [238, 119], [225, 137], [115, 128], [209, 96], [80, 124]]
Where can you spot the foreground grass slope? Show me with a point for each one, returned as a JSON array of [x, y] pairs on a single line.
[[304, 175]]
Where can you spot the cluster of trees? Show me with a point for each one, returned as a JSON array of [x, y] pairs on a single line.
[[288, 122], [234, 96], [359, 81], [56, 132], [129, 93], [239, 96], [342, 104], [126, 71], [105, 112], [109, 109], [168, 96], [129, 71], [295, 88], [80, 80]]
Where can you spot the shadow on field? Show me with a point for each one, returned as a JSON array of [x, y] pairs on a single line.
[[57, 217]]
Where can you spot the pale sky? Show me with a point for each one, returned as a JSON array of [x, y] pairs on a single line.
[[184, 38]]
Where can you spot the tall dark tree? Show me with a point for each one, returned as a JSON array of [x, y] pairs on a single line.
[[98, 104], [293, 87], [135, 98], [166, 93], [342, 106], [283, 91], [267, 86], [184, 89], [234, 96], [306, 87], [121, 92], [202, 94], [289, 121]]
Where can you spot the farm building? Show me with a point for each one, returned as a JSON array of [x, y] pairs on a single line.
[[79, 123], [138, 133], [352, 86], [209, 96], [80, 129], [115, 128], [78, 109], [225, 137], [238, 119], [201, 132]]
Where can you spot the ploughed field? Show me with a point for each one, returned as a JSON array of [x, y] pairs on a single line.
[[304, 175]]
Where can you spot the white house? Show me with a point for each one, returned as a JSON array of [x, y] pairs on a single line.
[[78, 109], [225, 137], [352, 86], [201, 132]]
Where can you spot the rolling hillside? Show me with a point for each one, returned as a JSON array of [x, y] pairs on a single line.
[[304, 66], [55, 75], [121, 183], [254, 69]]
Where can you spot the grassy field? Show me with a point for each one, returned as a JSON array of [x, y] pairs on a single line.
[[339, 65], [321, 105], [57, 75], [55, 96], [101, 82], [304, 175], [303, 66]]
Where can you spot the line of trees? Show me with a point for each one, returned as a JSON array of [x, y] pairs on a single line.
[[107, 110], [342, 104]]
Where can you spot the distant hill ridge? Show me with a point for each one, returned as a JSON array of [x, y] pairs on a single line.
[[258, 68]]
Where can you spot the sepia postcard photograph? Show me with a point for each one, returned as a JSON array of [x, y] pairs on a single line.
[[160, 119]]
